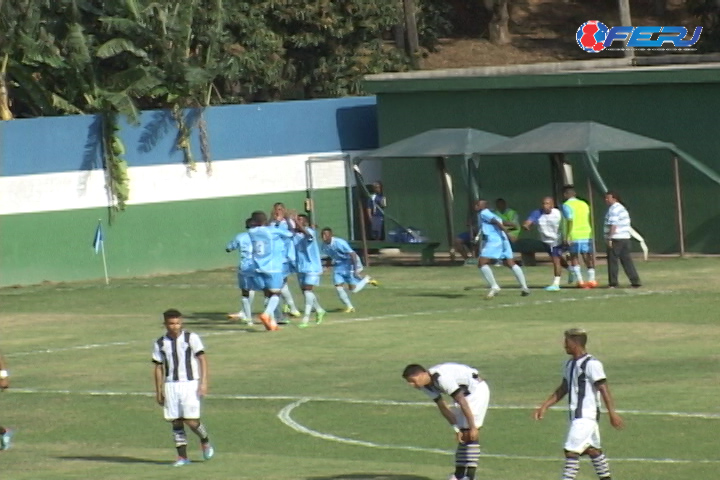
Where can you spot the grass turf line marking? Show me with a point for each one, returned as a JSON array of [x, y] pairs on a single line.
[[305, 398], [285, 417], [372, 318]]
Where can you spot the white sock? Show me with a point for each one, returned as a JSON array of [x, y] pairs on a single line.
[[578, 273], [271, 304], [344, 297], [316, 305], [486, 272], [247, 307], [288, 298], [556, 282], [520, 276], [309, 301], [591, 274], [361, 284]]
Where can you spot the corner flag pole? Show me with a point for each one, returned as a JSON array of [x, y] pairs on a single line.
[[99, 246]]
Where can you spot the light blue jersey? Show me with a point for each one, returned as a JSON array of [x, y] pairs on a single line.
[[243, 244], [340, 252], [488, 228], [270, 248], [307, 252]]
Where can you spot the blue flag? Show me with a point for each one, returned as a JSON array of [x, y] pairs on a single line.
[[98, 240]]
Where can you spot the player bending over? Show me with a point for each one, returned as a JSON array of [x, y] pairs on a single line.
[[471, 397], [246, 274], [181, 381], [346, 267], [5, 433], [309, 267]]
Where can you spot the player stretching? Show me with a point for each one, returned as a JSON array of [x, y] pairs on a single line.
[[496, 246], [309, 268], [579, 235], [5, 433], [585, 381], [549, 220], [181, 380], [270, 256], [246, 274], [346, 267], [472, 397]]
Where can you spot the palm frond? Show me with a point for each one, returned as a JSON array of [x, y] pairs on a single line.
[[63, 105], [117, 46], [77, 46]]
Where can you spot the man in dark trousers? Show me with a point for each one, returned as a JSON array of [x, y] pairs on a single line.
[[617, 237]]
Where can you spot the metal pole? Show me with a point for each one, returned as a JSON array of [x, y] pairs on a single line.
[[309, 181], [350, 204], [678, 199], [363, 232], [592, 215], [448, 205], [626, 21]]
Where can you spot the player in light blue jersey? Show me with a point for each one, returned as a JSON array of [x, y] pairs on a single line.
[[281, 219], [346, 267], [246, 273], [309, 268], [496, 246], [270, 256]]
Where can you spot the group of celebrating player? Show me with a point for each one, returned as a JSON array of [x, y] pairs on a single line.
[[273, 248]]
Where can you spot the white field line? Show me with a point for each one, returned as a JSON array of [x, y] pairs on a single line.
[[305, 398], [285, 417], [488, 305]]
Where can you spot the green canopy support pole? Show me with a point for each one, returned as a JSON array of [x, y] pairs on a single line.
[[447, 201], [678, 199], [360, 187], [592, 216], [556, 176]]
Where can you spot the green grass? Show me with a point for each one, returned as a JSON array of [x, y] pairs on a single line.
[[69, 345]]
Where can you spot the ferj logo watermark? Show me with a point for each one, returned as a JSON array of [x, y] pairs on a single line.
[[594, 36]]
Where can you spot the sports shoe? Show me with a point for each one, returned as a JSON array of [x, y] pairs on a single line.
[[236, 316], [552, 288], [350, 310], [6, 439], [181, 462], [304, 324], [525, 293], [374, 282], [268, 322], [592, 283], [581, 285], [319, 317], [208, 451], [492, 293]]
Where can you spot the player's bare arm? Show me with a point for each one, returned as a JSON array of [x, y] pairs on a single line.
[[500, 225], [445, 411], [554, 397], [527, 225], [159, 383], [472, 434], [615, 420], [204, 374]]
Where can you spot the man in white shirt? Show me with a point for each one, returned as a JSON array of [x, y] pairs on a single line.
[[549, 221], [617, 237], [471, 397], [585, 382]]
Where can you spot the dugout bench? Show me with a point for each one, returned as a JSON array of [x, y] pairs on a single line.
[[426, 249], [527, 248]]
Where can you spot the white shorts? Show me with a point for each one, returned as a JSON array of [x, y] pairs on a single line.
[[584, 433], [181, 400], [478, 401]]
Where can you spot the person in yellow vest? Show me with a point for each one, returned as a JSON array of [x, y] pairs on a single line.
[[578, 234], [509, 218]]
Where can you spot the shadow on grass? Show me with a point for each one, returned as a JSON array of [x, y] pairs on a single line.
[[115, 459], [368, 476]]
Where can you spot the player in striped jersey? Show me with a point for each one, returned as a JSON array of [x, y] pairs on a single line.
[[181, 380], [246, 274], [5, 433], [309, 267], [471, 396], [584, 382]]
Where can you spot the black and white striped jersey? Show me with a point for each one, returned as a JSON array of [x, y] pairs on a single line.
[[179, 356]]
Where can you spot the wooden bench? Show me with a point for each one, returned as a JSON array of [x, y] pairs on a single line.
[[427, 249], [527, 248]]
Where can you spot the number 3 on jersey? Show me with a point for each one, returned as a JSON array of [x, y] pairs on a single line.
[[261, 248]]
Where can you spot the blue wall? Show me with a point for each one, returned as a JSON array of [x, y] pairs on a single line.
[[65, 144]]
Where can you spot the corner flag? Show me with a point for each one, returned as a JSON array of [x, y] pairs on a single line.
[[98, 240]]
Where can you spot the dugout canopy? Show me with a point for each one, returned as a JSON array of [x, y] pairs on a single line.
[[441, 144], [589, 139]]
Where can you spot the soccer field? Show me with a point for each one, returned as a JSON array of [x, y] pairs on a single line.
[[328, 402]]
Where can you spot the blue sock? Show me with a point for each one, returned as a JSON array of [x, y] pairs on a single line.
[[344, 296], [486, 272]]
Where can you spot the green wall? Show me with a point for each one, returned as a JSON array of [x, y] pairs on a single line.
[[181, 236], [679, 106]]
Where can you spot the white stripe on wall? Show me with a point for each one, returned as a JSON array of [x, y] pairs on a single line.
[[169, 183]]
